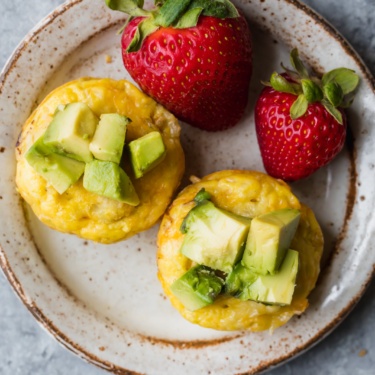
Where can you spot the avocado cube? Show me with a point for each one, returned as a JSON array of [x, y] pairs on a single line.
[[71, 131], [275, 289], [197, 288], [59, 171], [109, 138], [214, 237], [146, 153], [269, 238], [107, 179]]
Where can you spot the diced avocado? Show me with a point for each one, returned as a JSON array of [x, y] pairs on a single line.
[[109, 180], [71, 131], [199, 198], [269, 237], [61, 172], [146, 153], [214, 237], [275, 289], [109, 138], [198, 287]]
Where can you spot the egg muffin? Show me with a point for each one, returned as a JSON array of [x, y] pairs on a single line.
[[85, 213], [247, 194]]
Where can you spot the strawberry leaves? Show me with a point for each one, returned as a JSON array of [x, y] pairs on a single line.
[[299, 107], [333, 111], [189, 19], [170, 13], [312, 92], [144, 29], [347, 79], [216, 8], [334, 90], [281, 84], [131, 7]]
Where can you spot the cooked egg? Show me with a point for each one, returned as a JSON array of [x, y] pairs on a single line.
[[87, 214], [249, 194]]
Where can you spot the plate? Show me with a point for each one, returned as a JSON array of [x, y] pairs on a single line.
[[104, 302]]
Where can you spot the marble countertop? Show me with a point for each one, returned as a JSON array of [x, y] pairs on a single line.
[[25, 348]]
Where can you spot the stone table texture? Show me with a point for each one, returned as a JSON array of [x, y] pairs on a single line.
[[26, 349]]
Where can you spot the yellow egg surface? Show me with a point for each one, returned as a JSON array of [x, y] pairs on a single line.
[[79, 211], [246, 193]]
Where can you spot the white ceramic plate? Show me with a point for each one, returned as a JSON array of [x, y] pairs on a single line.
[[104, 302]]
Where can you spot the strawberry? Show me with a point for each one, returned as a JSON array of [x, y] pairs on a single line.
[[300, 119], [192, 56]]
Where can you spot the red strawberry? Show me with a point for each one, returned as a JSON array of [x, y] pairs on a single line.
[[300, 121], [198, 65]]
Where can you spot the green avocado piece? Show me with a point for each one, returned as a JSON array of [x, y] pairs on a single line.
[[61, 172], [201, 197], [198, 287], [146, 153], [269, 237], [109, 138], [109, 180], [214, 237], [71, 131], [274, 289]]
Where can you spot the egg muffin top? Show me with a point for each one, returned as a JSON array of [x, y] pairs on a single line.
[[249, 194], [84, 213]]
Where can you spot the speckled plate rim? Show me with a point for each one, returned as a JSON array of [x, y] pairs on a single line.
[[45, 322]]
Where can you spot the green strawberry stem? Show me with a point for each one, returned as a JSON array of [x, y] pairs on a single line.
[[297, 64], [176, 13], [334, 90]]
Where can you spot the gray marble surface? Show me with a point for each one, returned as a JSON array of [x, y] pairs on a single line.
[[25, 349]]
